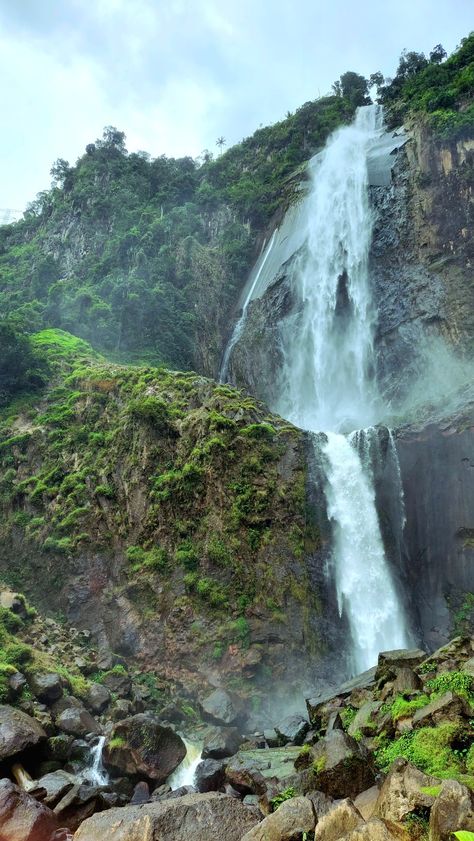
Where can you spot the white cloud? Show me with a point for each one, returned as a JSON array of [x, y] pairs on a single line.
[[175, 74]]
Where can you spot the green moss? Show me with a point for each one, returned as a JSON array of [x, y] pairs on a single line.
[[401, 708], [429, 748], [319, 765], [282, 797], [432, 791], [460, 683], [116, 743]]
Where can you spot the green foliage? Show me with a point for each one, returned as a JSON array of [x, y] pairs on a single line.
[[116, 743], [429, 748], [20, 368], [439, 90], [464, 835], [460, 683], [348, 715], [402, 708], [152, 559], [282, 796], [432, 791]]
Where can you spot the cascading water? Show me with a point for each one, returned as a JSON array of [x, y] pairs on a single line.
[[95, 773], [184, 774], [238, 329], [327, 380]]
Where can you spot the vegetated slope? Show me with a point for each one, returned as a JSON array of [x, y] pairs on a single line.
[[162, 511], [145, 258]]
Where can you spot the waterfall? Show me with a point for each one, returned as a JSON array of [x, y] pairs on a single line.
[[95, 773], [365, 591], [184, 774], [327, 378], [238, 329]]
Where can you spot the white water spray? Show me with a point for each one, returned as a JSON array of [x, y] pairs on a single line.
[[184, 774]]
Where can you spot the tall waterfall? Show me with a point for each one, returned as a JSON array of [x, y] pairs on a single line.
[[327, 381]]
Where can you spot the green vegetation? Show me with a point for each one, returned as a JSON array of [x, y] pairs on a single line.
[[460, 683], [154, 270], [401, 708], [439, 91], [21, 369], [429, 748], [282, 796]]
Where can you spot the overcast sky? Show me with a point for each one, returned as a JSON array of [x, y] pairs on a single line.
[[176, 74]]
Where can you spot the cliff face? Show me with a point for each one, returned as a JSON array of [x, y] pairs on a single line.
[[169, 516], [421, 273]]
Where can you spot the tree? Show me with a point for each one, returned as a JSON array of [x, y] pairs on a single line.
[[61, 173], [410, 64], [376, 80], [437, 54], [220, 142], [19, 368], [353, 87]]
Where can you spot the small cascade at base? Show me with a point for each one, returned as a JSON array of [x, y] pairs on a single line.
[[184, 774], [95, 773]]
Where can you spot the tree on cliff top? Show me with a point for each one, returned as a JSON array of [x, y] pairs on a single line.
[[353, 87]]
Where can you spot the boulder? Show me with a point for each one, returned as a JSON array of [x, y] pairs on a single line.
[[401, 658], [194, 817], [251, 771], [16, 684], [53, 787], [46, 687], [373, 830], [401, 792], [77, 722], [141, 745], [406, 681], [210, 775], [366, 800], [67, 702], [220, 708], [141, 794], [448, 707], [293, 728], [451, 810], [119, 684], [340, 767], [362, 722], [343, 818], [98, 698], [59, 747], [468, 666], [293, 818], [18, 732], [22, 818]]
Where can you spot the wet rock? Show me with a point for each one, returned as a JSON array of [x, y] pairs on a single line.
[[46, 687], [452, 810], [16, 684], [292, 818], [401, 792], [141, 794], [18, 732], [339, 821], [80, 749], [406, 681], [293, 728], [119, 684], [340, 767], [77, 722], [59, 747], [22, 818], [448, 707], [271, 738], [121, 709], [210, 775], [398, 659], [67, 702], [219, 707], [251, 771], [142, 745], [363, 722], [194, 817], [98, 698], [55, 785]]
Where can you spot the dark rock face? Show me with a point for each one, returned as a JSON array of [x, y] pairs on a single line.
[[46, 687], [98, 698], [194, 817], [293, 728], [210, 775], [22, 818], [341, 768], [220, 707], [438, 482], [18, 732], [77, 722], [221, 742], [141, 746]]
